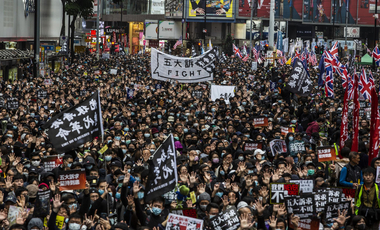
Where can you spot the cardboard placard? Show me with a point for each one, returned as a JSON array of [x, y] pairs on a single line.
[[189, 212], [277, 146], [326, 153], [51, 162], [260, 122], [252, 146], [41, 94], [183, 222], [286, 130], [72, 179], [306, 186], [48, 82], [12, 103], [278, 192], [301, 206], [197, 94], [226, 220], [113, 71]]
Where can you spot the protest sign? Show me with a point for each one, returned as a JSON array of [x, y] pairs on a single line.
[[102, 150], [228, 73], [12, 103], [222, 91], [277, 146], [299, 80], [83, 93], [226, 220], [189, 212], [254, 66], [301, 206], [332, 210], [251, 77], [42, 204], [51, 162], [41, 94], [184, 70], [163, 173], [113, 71], [2, 102], [260, 122], [48, 82], [306, 186], [197, 94], [72, 179], [278, 191], [296, 147], [286, 130], [320, 200], [348, 192], [326, 153], [13, 213], [378, 174], [77, 125], [307, 224], [59, 221], [334, 195], [252, 146], [183, 223]]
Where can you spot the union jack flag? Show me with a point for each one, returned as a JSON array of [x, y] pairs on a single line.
[[237, 51], [329, 83], [334, 50], [244, 51], [365, 85], [371, 79], [256, 52], [343, 73], [369, 52], [297, 55], [376, 55]]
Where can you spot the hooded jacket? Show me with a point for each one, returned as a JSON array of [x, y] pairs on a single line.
[[313, 127]]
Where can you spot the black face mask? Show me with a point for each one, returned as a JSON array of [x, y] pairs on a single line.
[[360, 226], [234, 140]]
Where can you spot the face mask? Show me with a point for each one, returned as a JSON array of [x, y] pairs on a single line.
[[128, 155], [146, 135], [152, 151], [176, 138], [196, 158], [66, 220], [108, 158], [156, 211], [310, 172], [124, 151], [212, 216], [213, 109], [308, 162], [222, 154], [361, 226], [74, 206], [27, 165], [203, 207], [110, 193], [235, 140], [137, 179], [291, 138], [74, 226], [244, 103], [127, 142], [250, 171], [131, 150], [109, 141], [159, 116], [241, 158], [42, 143], [204, 130], [25, 174], [195, 124], [126, 129], [263, 158], [215, 160], [101, 191], [277, 137], [36, 163], [247, 135], [222, 173], [294, 121], [117, 138], [256, 183], [219, 194], [69, 165], [140, 195], [89, 167]]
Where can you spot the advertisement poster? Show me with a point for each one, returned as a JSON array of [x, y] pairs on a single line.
[[364, 15], [72, 179], [151, 29], [173, 8], [317, 11], [292, 9], [213, 8], [340, 11]]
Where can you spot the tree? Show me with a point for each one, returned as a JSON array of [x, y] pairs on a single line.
[[77, 9], [227, 45]]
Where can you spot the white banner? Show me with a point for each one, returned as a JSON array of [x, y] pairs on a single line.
[[113, 71], [222, 91], [185, 70], [254, 65]]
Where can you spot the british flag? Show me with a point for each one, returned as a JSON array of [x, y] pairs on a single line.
[[329, 83], [334, 50], [376, 55], [371, 79], [343, 73], [282, 60], [369, 52], [297, 55], [237, 51], [365, 85]]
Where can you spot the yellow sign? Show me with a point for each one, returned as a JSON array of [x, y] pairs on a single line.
[[105, 148], [193, 197]]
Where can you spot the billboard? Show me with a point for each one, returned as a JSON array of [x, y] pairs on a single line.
[[158, 7], [173, 8], [216, 9], [169, 30], [365, 15], [151, 29]]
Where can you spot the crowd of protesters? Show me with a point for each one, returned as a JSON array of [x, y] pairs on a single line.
[[209, 139]]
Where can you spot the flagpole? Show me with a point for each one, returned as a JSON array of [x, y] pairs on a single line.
[[250, 32], [159, 146]]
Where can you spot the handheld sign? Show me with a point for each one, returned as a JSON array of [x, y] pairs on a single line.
[[326, 153]]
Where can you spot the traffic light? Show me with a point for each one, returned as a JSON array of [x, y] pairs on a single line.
[[266, 47], [322, 49], [316, 49], [200, 43], [101, 46]]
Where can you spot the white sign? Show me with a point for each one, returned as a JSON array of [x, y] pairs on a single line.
[[352, 32], [254, 65], [306, 186], [378, 174], [183, 222], [158, 7], [169, 30], [185, 70], [113, 71], [151, 29], [222, 91]]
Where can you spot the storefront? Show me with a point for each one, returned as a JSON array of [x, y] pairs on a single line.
[[136, 37]]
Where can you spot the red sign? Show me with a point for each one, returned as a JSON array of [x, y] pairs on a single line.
[[260, 122], [72, 180], [286, 130], [251, 146], [326, 153], [51, 162]]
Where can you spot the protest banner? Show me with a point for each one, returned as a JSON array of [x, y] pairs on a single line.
[[286, 130], [332, 210], [77, 125], [301, 206], [306, 224], [226, 220], [306, 186], [12, 103], [252, 146], [189, 212], [163, 175], [296, 147], [349, 192], [320, 200], [42, 204], [277, 146], [51, 162], [254, 65], [184, 70], [197, 94], [41, 94], [179, 222], [48, 82], [299, 80], [260, 122], [113, 71], [326, 153], [222, 91], [72, 179], [102, 150], [278, 192]]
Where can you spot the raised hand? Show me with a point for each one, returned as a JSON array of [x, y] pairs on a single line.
[[192, 177], [263, 191], [341, 220], [295, 220], [281, 210], [225, 200], [136, 188], [235, 187], [260, 207], [272, 222], [57, 203], [127, 176], [245, 221], [201, 188]]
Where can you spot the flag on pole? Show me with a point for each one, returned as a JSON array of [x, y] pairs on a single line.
[[178, 43], [245, 58], [376, 55], [375, 128], [334, 50], [355, 132], [344, 123], [202, 50], [237, 51], [209, 44], [365, 85]]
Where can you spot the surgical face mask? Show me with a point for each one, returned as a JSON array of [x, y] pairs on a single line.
[[294, 121], [140, 195], [137, 178], [215, 160], [109, 141], [263, 157], [101, 191], [36, 163], [159, 116], [27, 165], [212, 216], [203, 207], [176, 138], [195, 124], [213, 109], [117, 138], [222, 173], [124, 151], [196, 158], [244, 103], [74, 205], [74, 226], [250, 171], [89, 167], [126, 129], [185, 130], [127, 142], [241, 158], [69, 165], [247, 135], [152, 151], [156, 211], [219, 194], [108, 158], [308, 162], [310, 172], [147, 135], [291, 138]]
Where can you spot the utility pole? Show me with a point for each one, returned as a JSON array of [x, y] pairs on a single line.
[[97, 30], [183, 20], [271, 24], [204, 26], [345, 37], [375, 34], [37, 18], [250, 32]]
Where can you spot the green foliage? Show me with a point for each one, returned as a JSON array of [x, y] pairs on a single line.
[[227, 45], [80, 8]]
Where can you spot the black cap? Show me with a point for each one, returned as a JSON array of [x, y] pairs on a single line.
[[116, 163]]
